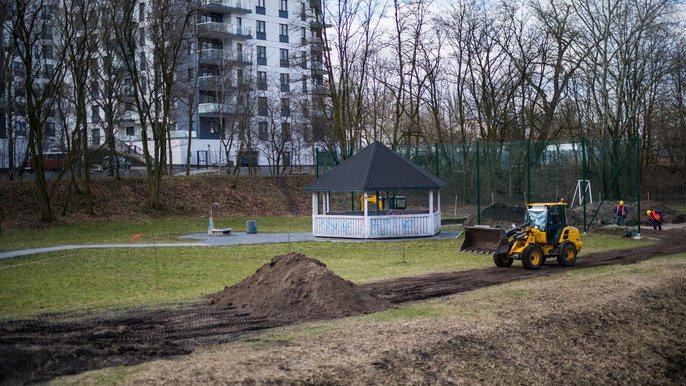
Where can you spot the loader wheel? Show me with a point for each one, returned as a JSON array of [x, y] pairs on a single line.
[[567, 257], [532, 257], [502, 260]]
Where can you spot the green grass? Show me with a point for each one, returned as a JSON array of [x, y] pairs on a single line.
[[159, 229], [110, 278]]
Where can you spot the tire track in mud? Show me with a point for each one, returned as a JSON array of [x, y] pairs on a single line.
[[40, 349]]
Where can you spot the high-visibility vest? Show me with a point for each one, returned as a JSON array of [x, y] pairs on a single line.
[[621, 210], [654, 216]]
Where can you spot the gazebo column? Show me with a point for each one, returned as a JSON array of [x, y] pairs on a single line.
[[326, 202], [315, 211], [431, 212], [365, 220]]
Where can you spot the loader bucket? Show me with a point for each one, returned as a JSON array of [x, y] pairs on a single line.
[[483, 239]]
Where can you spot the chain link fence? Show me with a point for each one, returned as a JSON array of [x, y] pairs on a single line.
[[586, 173]]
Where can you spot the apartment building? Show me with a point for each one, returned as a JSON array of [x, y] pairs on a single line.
[[249, 90], [249, 87]]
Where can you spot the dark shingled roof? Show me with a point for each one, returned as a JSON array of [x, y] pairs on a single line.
[[374, 168]]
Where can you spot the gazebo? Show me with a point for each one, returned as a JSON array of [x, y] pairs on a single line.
[[375, 169]]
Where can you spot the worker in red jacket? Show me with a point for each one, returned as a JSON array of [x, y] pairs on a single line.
[[655, 217], [620, 213]]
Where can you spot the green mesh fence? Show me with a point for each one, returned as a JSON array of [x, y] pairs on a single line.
[[516, 173]]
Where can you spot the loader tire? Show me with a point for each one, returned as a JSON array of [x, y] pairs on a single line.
[[502, 260], [567, 256], [532, 257]]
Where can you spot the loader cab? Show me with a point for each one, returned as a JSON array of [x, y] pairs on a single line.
[[550, 219]]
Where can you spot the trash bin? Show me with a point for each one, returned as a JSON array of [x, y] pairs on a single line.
[[250, 227]]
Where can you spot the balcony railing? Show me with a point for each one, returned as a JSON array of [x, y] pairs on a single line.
[[219, 56], [224, 6], [214, 109], [217, 29]]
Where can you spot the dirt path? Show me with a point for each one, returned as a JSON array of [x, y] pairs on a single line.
[[60, 344]]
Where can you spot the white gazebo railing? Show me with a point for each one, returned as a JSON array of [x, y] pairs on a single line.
[[375, 224]]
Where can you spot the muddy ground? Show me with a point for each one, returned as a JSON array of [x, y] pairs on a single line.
[[59, 344]]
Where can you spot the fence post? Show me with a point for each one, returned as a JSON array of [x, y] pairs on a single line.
[[438, 172], [638, 182], [478, 186], [528, 171]]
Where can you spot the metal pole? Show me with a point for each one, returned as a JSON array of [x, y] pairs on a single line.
[[478, 186], [316, 161], [528, 171], [438, 173], [638, 182]]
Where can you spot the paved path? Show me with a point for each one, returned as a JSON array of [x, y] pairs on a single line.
[[203, 240]]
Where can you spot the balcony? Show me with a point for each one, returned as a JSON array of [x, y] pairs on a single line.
[[319, 89], [217, 30], [226, 6], [318, 68], [216, 109], [218, 57]]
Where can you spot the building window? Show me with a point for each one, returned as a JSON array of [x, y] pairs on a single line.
[[142, 60], [304, 84], [285, 107], [285, 131], [47, 51], [95, 114], [141, 37], [50, 129], [261, 30], [303, 37], [141, 11], [303, 14], [262, 133], [49, 69], [283, 33], [95, 137], [285, 83], [286, 158], [283, 56], [303, 60], [260, 8], [20, 128], [215, 127], [248, 158], [262, 55], [261, 80], [262, 109], [130, 131]]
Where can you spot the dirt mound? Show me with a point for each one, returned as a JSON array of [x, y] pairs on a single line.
[[499, 214], [296, 287]]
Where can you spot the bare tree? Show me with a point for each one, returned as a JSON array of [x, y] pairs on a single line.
[[39, 86], [161, 38]]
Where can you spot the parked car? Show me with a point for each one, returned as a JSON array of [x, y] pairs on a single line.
[[52, 160], [109, 162]]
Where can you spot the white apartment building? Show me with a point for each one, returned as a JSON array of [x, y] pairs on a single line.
[[250, 88], [255, 70]]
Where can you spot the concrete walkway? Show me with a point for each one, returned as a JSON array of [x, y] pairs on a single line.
[[204, 240]]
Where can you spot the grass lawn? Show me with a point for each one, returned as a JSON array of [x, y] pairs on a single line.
[[160, 229], [84, 279]]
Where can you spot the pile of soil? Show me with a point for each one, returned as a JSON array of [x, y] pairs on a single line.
[[296, 287], [499, 214]]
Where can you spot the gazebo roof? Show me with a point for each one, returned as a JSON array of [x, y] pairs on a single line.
[[375, 168]]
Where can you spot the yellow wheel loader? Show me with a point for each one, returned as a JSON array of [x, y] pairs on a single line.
[[545, 233]]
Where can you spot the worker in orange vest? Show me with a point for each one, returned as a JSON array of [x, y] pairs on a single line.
[[620, 212], [655, 217]]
